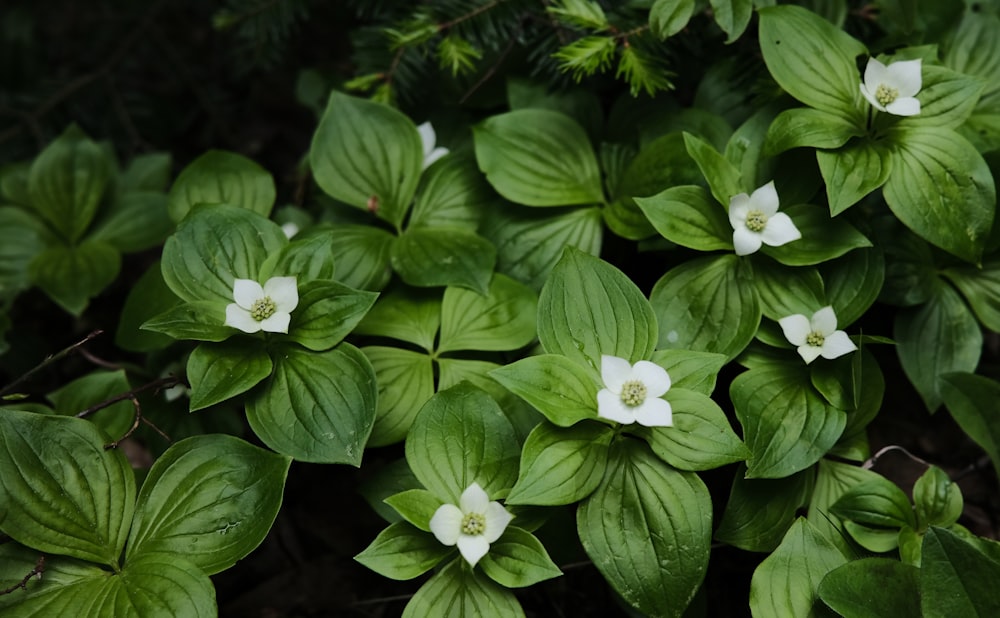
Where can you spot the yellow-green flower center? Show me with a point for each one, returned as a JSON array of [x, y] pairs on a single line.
[[633, 393], [885, 95], [262, 308], [756, 221], [815, 339], [473, 524]]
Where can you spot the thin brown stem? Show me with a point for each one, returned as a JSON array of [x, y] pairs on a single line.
[[35, 572], [48, 361]]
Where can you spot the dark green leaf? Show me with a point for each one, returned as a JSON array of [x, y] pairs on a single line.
[[71, 276], [222, 177], [435, 256], [220, 371]]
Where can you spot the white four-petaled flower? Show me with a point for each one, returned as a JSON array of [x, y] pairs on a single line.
[[817, 336], [755, 220], [428, 138], [893, 88], [472, 525], [631, 393], [266, 307]]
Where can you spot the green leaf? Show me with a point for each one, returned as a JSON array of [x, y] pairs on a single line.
[[911, 274], [401, 551], [695, 371], [971, 401], [708, 304], [451, 194], [66, 581], [63, 492], [956, 579], [648, 529], [22, 237], [786, 583], [785, 291], [137, 220], [872, 588], [211, 499], [723, 178], [316, 406], [460, 437], [95, 388], [361, 255], [326, 313], [878, 502], [822, 239], [435, 256], [936, 499], [220, 371], [562, 390], [834, 479], [416, 506], [365, 151], [306, 258], [458, 592], [67, 181], [852, 172], [222, 177], [812, 60], [199, 320], [561, 465], [529, 245], [503, 319], [517, 559], [405, 382], [733, 16], [148, 297], [807, 127], [942, 189], [213, 246], [147, 172], [668, 17], [981, 289], [616, 318], [938, 337], [786, 424], [538, 157], [760, 511], [700, 439], [947, 98], [71, 276], [684, 215], [853, 282]]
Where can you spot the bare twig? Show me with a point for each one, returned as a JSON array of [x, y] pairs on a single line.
[[48, 361], [35, 572], [491, 71], [868, 465], [100, 362], [161, 383]]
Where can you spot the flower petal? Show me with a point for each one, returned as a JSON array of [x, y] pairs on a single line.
[[871, 98], [904, 106], [246, 291], [497, 519], [739, 206], [610, 406], [240, 318], [473, 547], [473, 499], [434, 155], [427, 137], [904, 76], [615, 372], [655, 378], [779, 231], [796, 328], [446, 523], [837, 344], [809, 353], [283, 292], [875, 73], [277, 323], [745, 241], [765, 199], [824, 321], [655, 412]]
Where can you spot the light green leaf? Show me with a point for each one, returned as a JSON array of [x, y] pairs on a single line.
[[457, 592], [786, 424], [538, 157], [222, 177], [872, 588], [211, 499], [71, 276], [199, 320], [401, 551], [412, 315], [733, 16], [306, 258], [517, 559], [707, 304], [723, 178], [367, 155], [970, 400], [785, 291], [942, 189], [361, 255], [695, 371], [451, 194], [564, 391], [66, 583], [956, 579], [405, 382], [67, 181], [503, 319], [877, 503], [668, 17], [460, 437], [760, 511], [137, 220], [786, 583], [807, 127], [316, 406], [416, 506], [852, 172], [936, 499], [435, 256], [616, 318], [63, 492], [853, 282], [981, 289], [327, 312], [648, 528], [834, 479], [947, 98], [220, 371], [561, 465], [684, 215], [822, 239]]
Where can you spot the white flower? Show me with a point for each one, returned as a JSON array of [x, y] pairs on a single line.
[[893, 88], [265, 308], [816, 336], [429, 138], [472, 525], [755, 220], [632, 393], [290, 229]]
